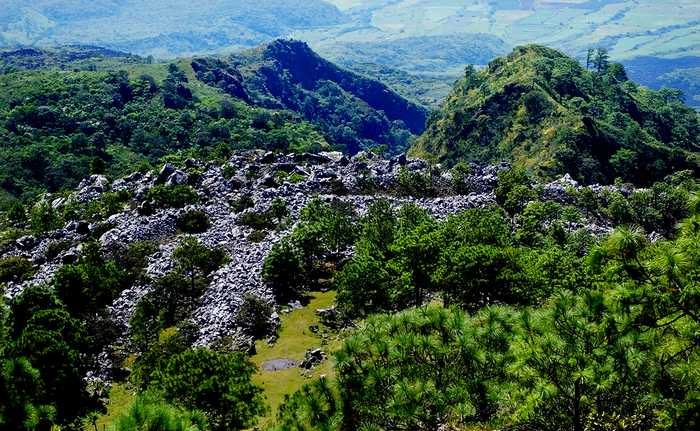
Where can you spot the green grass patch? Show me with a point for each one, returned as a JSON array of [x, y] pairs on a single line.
[[120, 398], [295, 339]]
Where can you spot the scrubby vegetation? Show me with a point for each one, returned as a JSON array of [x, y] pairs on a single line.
[[494, 318], [550, 115]]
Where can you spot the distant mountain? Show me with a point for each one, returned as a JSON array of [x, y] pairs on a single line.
[[630, 28], [682, 73], [353, 111], [441, 55], [544, 112], [420, 37], [164, 28], [66, 57]]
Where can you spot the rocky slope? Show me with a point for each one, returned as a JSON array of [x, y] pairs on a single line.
[[328, 175]]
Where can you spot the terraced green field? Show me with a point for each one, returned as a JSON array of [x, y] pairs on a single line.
[[630, 28]]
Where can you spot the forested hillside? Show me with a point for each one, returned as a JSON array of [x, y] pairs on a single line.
[[353, 111], [547, 113], [71, 112]]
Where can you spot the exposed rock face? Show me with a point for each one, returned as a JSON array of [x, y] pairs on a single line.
[[328, 175]]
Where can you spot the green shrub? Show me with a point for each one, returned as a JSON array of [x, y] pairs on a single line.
[[315, 406], [218, 384], [90, 284], [284, 269], [10, 235], [43, 218], [415, 184], [157, 348], [172, 300], [228, 171], [57, 247], [257, 221], [295, 178], [257, 236], [15, 268], [17, 214], [534, 219], [194, 258], [149, 412], [514, 190], [100, 228], [108, 204], [193, 222], [254, 316], [134, 257], [113, 202], [162, 196], [243, 203], [460, 172], [278, 209], [366, 184]]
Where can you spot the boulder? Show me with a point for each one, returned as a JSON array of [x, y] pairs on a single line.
[[268, 181], [70, 257], [26, 242], [82, 227], [333, 156], [266, 158], [399, 160], [236, 183], [177, 178], [417, 165], [100, 182], [165, 173], [58, 202], [312, 358]]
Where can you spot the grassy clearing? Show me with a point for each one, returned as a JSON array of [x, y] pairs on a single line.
[[120, 399], [295, 339]]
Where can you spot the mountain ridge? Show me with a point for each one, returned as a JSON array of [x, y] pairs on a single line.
[[547, 113], [288, 74]]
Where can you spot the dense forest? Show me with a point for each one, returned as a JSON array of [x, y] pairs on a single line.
[[166, 227]]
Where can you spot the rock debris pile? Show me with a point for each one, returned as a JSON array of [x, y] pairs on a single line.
[[261, 178]]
